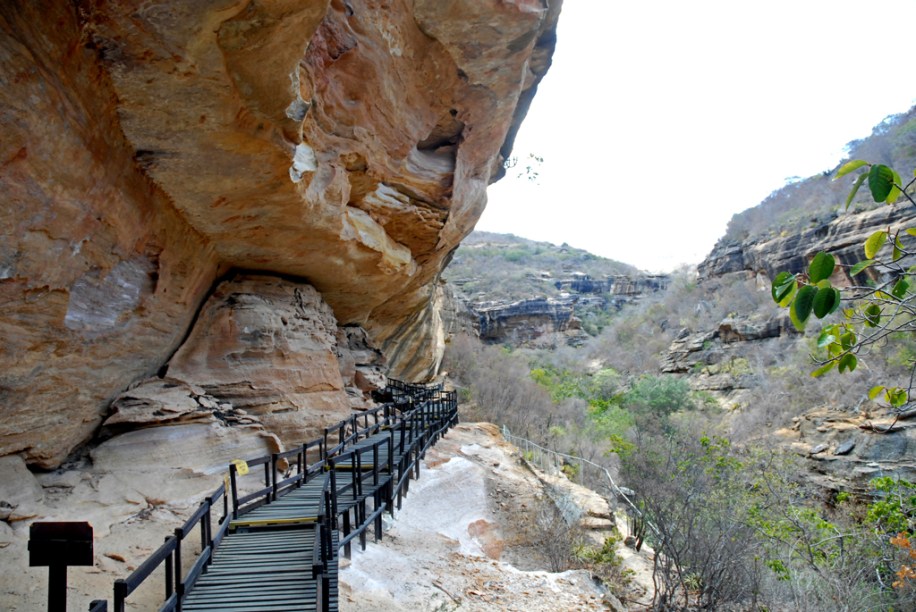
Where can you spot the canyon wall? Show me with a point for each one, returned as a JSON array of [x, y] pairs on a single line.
[[847, 439], [333, 152], [843, 236]]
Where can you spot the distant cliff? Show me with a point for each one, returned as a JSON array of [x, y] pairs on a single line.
[[520, 292], [843, 235]]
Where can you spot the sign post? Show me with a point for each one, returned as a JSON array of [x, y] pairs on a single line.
[[58, 546]]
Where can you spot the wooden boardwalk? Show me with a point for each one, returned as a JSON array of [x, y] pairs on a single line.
[[285, 517]]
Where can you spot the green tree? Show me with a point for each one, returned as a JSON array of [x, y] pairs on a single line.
[[658, 395]]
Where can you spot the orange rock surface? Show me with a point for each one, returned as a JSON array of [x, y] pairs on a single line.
[[149, 148]]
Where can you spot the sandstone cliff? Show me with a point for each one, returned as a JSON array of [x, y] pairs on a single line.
[[847, 439], [149, 149], [843, 236]]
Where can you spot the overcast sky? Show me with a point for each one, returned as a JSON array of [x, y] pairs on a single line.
[[660, 119]]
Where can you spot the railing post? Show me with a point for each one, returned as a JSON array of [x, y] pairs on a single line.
[[300, 466], [274, 460], [169, 572], [267, 480], [208, 525], [234, 492], [178, 586], [120, 594], [205, 526]]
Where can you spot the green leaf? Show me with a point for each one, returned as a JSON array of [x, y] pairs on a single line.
[[900, 288], [823, 369], [896, 396], [857, 269], [898, 249], [855, 189], [848, 362], [872, 315], [874, 243], [911, 231], [895, 191], [880, 182], [874, 391], [826, 336], [783, 289], [826, 301], [847, 340], [821, 267], [850, 166], [801, 307]]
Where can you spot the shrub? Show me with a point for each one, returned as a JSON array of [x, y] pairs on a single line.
[[658, 395]]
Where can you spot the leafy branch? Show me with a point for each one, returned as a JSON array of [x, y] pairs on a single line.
[[877, 310]]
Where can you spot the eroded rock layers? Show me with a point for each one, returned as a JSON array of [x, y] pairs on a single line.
[[343, 148]]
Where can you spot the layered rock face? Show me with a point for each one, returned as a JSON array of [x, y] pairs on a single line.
[[552, 321], [150, 148], [848, 442], [521, 322], [843, 237]]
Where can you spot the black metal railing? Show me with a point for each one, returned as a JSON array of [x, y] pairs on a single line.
[[379, 450]]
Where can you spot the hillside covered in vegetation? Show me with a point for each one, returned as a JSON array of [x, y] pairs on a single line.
[[758, 485], [489, 266]]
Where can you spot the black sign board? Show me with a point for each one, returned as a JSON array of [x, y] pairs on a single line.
[[65, 544], [58, 546]]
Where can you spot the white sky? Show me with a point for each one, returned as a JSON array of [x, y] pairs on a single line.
[[659, 119]]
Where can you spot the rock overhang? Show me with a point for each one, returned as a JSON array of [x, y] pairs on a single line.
[[150, 148]]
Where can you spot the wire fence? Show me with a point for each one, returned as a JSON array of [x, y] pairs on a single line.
[[578, 469]]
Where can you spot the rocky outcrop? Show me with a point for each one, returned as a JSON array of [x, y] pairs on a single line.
[[554, 320], [264, 352], [525, 321], [691, 351], [268, 346], [846, 450], [618, 285], [149, 148], [842, 236], [847, 442]]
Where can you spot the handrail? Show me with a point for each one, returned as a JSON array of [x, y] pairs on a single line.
[[429, 411], [170, 554], [124, 587]]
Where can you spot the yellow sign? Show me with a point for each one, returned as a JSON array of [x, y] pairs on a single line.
[[241, 467]]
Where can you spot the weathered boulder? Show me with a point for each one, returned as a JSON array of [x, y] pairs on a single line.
[[168, 401], [268, 346], [19, 491], [149, 148]]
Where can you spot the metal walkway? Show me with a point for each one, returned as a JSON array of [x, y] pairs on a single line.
[[286, 516]]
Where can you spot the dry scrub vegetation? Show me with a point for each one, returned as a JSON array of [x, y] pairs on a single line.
[[735, 523]]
